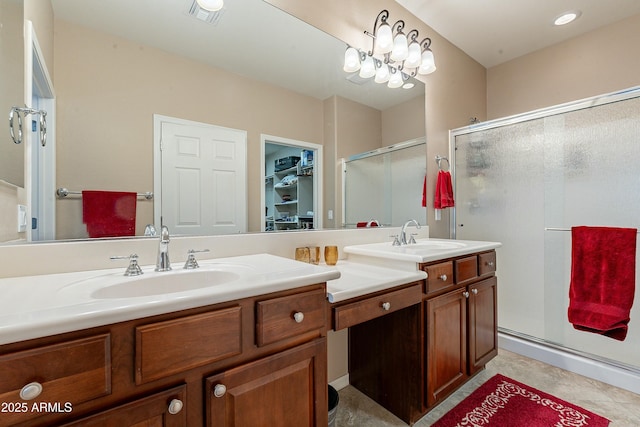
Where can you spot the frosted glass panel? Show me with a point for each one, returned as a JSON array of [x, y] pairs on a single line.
[[386, 187], [513, 181]]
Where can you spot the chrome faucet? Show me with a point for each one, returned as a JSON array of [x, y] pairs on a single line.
[[403, 233], [163, 263]]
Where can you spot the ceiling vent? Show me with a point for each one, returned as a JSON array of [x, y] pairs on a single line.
[[203, 14], [356, 79]]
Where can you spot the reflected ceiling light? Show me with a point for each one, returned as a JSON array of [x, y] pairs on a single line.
[[393, 54], [210, 5], [567, 17]]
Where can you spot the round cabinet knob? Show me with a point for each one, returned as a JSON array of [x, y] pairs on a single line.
[[386, 306], [298, 316], [175, 406], [474, 291], [31, 391], [426, 274], [466, 294], [443, 277], [219, 390], [490, 263]]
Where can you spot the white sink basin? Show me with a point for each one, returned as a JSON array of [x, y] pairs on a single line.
[[424, 250], [166, 283]]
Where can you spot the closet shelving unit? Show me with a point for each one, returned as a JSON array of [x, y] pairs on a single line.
[[292, 202]]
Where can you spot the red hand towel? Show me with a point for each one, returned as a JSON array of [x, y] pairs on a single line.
[[603, 269], [444, 191], [424, 192], [109, 213]]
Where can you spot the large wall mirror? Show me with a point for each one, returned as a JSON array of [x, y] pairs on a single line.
[[250, 67]]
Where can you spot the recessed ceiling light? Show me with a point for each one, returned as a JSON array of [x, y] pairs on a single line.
[[567, 17], [408, 85]]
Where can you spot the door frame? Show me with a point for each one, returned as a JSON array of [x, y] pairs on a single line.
[[317, 175]]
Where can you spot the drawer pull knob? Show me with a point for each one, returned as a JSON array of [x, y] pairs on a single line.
[[219, 390], [175, 406], [31, 391], [298, 316], [466, 294], [475, 291], [443, 277], [386, 306], [490, 263]]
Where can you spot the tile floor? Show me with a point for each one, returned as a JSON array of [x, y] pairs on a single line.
[[622, 407]]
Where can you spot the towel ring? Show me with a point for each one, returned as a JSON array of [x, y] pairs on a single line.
[[439, 159], [42, 119]]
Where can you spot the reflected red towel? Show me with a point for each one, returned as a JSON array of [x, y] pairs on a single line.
[[603, 279], [444, 191], [109, 213], [424, 192]]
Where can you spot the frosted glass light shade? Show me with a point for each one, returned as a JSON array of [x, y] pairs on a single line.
[[428, 65], [414, 57], [210, 5], [351, 60], [384, 39], [400, 48], [382, 73], [368, 68], [395, 80]]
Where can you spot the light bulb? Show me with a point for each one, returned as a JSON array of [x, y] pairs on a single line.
[[428, 65], [400, 48], [395, 80], [384, 39], [368, 68], [414, 57], [351, 60], [210, 5], [382, 73]]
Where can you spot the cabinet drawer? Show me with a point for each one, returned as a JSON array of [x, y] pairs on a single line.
[[439, 276], [466, 269], [73, 371], [370, 308], [487, 263], [167, 409], [291, 315], [166, 348]]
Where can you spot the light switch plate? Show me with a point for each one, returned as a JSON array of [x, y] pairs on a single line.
[[22, 218]]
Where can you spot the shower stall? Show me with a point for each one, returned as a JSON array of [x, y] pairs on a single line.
[[525, 181]]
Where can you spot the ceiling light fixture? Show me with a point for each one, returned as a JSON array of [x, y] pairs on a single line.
[[210, 5], [567, 17], [394, 56]]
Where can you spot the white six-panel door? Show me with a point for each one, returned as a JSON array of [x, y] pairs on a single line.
[[203, 178]]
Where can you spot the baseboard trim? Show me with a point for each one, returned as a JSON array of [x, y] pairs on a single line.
[[595, 369], [340, 383]]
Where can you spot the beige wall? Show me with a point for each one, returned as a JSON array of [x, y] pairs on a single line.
[[105, 119], [10, 197], [403, 122], [601, 61]]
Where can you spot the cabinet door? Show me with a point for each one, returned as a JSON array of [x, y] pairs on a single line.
[[483, 323], [446, 344], [164, 409], [288, 389]]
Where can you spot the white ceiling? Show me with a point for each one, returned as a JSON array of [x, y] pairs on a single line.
[[496, 31]]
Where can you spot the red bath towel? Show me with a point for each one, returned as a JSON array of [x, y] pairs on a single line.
[[109, 213], [603, 279], [444, 191]]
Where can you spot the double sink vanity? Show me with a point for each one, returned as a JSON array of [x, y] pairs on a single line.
[[242, 340]]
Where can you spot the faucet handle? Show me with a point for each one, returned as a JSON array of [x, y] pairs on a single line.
[[192, 262], [133, 269], [396, 241], [412, 240]]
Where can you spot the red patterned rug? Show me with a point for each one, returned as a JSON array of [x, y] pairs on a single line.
[[503, 402]]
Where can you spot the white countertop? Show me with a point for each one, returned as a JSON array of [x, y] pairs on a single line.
[[38, 306], [425, 250], [358, 279]]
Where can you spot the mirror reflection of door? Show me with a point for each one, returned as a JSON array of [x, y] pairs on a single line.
[[292, 181], [203, 188]]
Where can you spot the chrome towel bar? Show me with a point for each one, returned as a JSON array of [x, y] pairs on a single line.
[[63, 192]]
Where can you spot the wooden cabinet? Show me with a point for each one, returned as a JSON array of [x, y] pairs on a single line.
[[460, 326], [287, 389], [165, 409], [269, 351]]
